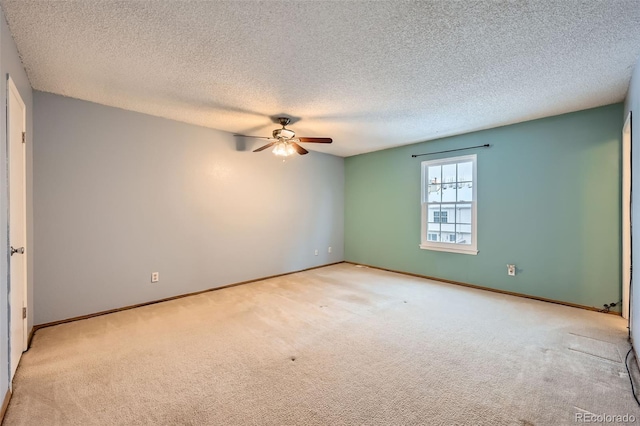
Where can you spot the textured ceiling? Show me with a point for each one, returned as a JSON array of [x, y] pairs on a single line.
[[372, 75]]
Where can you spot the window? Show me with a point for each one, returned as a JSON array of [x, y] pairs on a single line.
[[449, 200], [440, 216]]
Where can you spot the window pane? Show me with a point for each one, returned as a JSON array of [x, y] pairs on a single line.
[[448, 192], [463, 234], [434, 195], [440, 216], [448, 227], [463, 238], [463, 213], [448, 182], [448, 237], [462, 228], [435, 174], [433, 227], [465, 172], [447, 213], [465, 191], [433, 214], [449, 173]]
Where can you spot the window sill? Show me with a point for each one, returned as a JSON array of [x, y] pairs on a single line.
[[459, 250]]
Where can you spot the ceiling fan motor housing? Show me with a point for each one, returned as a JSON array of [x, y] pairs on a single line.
[[283, 133]]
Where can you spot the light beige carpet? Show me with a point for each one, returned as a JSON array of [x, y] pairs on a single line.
[[340, 345]]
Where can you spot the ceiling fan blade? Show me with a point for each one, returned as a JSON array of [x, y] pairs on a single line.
[[263, 147], [316, 140], [298, 148], [256, 137]]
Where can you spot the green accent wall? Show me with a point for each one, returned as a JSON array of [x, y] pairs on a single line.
[[549, 195]]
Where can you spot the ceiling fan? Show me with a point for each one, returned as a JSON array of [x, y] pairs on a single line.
[[284, 140]]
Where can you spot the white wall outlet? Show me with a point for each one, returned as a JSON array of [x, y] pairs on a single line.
[[315, 252], [329, 250], [511, 270], [155, 277]]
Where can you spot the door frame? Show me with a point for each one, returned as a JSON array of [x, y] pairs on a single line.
[[627, 172], [12, 89]]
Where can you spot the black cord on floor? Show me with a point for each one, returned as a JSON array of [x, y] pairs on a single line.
[[626, 364]]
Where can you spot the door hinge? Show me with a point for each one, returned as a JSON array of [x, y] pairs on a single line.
[[24, 137], [24, 313]]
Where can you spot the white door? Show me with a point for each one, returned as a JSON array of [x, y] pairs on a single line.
[[16, 126], [626, 215]]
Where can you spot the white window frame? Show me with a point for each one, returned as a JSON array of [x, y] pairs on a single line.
[[426, 244]]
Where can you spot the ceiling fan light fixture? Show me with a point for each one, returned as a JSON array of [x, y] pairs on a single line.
[[283, 149]]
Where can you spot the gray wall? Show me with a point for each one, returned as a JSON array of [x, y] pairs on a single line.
[[632, 104], [10, 64], [120, 194]]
